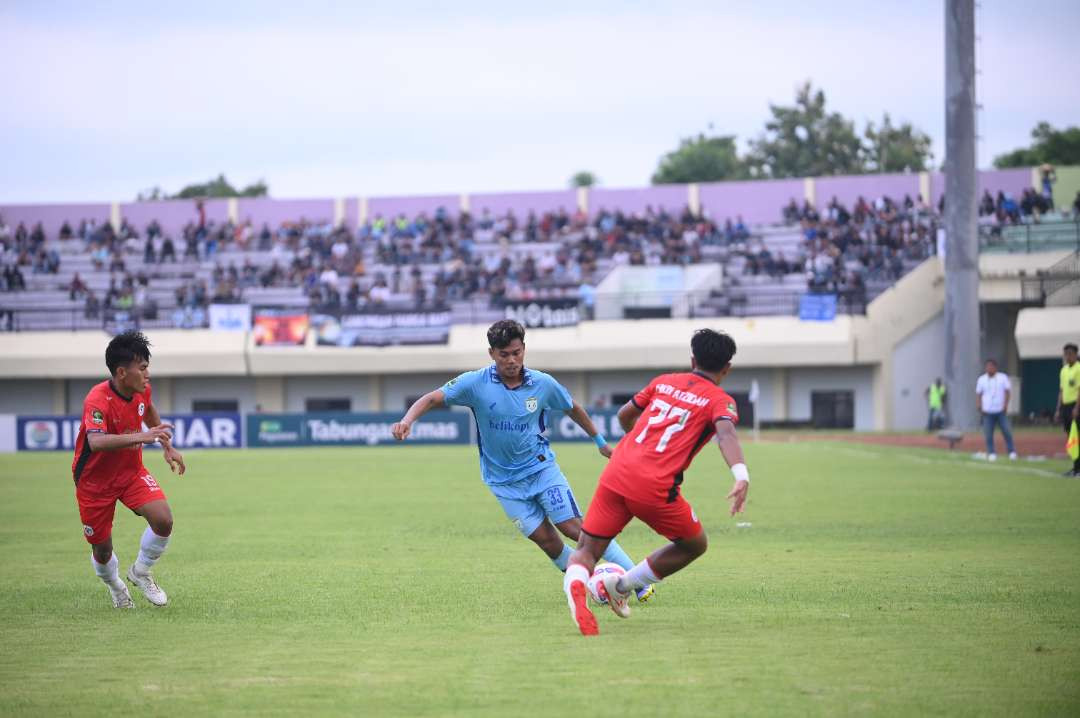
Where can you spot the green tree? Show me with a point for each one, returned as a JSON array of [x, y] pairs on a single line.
[[701, 159], [804, 140], [218, 187], [896, 149], [1058, 147], [584, 178]]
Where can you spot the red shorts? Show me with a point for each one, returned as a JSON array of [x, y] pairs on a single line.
[[609, 512], [97, 505]]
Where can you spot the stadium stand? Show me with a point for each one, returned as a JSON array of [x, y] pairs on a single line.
[[88, 274]]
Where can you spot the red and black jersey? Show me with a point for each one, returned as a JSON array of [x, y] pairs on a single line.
[[679, 415], [107, 411]]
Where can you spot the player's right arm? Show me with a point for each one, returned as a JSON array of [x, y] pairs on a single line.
[[100, 441], [633, 409], [432, 400], [96, 427], [733, 455]]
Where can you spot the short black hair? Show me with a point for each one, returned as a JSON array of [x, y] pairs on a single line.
[[126, 348], [503, 332], [1072, 346], [712, 350]]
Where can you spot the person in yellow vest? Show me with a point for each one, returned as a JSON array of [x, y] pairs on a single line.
[[935, 399], [1068, 408]]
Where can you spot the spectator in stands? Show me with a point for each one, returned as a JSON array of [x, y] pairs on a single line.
[[168, 250], [13, 279], [1048, 177], [77, 288], [92, 308], [37, 237], [5, 235], [1076, 206], [379, 294], [65, 231], [149, 255]]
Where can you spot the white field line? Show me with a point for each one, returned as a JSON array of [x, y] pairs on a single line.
[[1001, 465]]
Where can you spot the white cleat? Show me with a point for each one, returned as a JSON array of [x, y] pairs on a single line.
[[145, 583], [615, 598], [991, 457], [1013, 456], [121, 598]]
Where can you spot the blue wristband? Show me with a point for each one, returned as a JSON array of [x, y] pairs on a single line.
[[600, 441]]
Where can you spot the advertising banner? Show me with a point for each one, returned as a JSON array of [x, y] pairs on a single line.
[[381, 329], [817, 307], [191, 431], [562, 428], [544, 313], [280, 327], [230, 317], [349, 429]]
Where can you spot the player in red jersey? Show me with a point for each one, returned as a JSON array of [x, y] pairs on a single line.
[[666, 423], [108, 467]]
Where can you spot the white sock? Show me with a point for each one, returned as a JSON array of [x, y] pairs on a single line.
[[150, 549], [108, 572], [639, 576], [574, 572]]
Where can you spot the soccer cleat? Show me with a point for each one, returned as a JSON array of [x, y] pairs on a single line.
[[608, 589], [991, 457], [579, 609], [145, 583], [644, 594], [121, 598], [1013, 456]]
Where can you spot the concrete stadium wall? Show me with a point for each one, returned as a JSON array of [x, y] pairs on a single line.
[[355, 387], [186, 390], [173, 215], [916, 362], [52, 216], [277, 211], [673, 198], [758, 201], [27, 397], [523, 202], [848, 188], [859, 380], [390, 207]]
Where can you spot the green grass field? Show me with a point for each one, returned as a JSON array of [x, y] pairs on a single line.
[[387, 582]]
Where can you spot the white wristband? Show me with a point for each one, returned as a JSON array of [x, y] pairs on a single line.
[[740, 472]]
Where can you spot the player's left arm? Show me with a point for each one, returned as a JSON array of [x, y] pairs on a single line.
[[581, 418], [559, 398], [173, 458], [733, 455]]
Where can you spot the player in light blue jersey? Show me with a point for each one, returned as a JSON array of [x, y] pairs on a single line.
[[510, 405]]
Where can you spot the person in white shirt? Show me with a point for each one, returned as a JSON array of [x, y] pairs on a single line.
[[992, 400]]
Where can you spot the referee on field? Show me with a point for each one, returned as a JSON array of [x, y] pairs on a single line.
[[1067, 406]]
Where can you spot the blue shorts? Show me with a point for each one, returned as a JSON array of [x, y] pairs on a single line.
[[544, 494]]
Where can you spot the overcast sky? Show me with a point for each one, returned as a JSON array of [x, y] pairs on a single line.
[[320, 99]]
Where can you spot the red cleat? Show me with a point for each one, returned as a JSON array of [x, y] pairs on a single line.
[[579, 609]]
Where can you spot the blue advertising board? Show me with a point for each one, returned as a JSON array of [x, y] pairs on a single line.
[[190, 431], [350, 429], [817, 307], [562, 428]]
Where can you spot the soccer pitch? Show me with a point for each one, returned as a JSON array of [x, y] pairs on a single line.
[[386, 581]]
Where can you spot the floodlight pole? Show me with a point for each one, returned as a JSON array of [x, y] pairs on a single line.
[[962, 334]]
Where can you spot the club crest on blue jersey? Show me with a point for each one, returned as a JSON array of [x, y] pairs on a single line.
[[531, 403]]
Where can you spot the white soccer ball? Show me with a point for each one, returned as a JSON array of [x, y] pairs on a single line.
[[601, 570]]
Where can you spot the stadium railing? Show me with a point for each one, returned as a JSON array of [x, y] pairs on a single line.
[[1031, 236]]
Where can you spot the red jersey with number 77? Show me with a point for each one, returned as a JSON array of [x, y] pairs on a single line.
[[679, 415]]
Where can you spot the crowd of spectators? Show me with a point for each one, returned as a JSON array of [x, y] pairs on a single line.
[[844, 247], [432, 259]]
